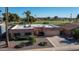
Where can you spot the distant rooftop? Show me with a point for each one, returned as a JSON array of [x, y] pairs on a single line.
[[70, 26], [34, 25]]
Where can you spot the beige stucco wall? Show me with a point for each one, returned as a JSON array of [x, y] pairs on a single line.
[[47, 32], [51, 32]]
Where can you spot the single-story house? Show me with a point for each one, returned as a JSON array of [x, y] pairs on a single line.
[[67, 28], [34, 29]]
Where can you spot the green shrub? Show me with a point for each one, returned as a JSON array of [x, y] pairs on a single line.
[[42, 44], [45, 22], [76, 33]]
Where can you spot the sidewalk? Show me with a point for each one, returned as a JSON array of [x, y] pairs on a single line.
[[64, 48]]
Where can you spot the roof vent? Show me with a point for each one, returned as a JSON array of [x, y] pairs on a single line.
[[27, 26]]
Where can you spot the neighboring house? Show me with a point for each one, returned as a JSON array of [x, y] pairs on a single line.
[[2, 29], [34, 29], [67, 28], [1, 19]]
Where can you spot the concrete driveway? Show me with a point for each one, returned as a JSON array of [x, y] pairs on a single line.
[[58, 41]]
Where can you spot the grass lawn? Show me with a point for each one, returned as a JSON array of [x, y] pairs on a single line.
[[52, 22]]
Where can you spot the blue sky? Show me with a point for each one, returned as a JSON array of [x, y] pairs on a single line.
[[45, 11]]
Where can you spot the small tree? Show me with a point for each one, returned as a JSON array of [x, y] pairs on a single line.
[[32, 39]]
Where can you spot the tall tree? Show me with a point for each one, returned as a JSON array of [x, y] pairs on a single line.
[[55, 17], [77, 18], [11, 17], [16, 17], [32, 19], [28, 13], [4, 16]]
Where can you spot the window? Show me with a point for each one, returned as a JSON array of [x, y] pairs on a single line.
[[28, 33], [16, 34], [41, 34]]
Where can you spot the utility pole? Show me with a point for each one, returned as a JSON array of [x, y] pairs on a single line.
[[6, 24]]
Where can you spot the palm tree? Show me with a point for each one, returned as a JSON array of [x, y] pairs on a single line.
[[27, 13], [6, 22]]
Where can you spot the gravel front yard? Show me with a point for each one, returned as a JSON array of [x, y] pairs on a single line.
[[34, 46]]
